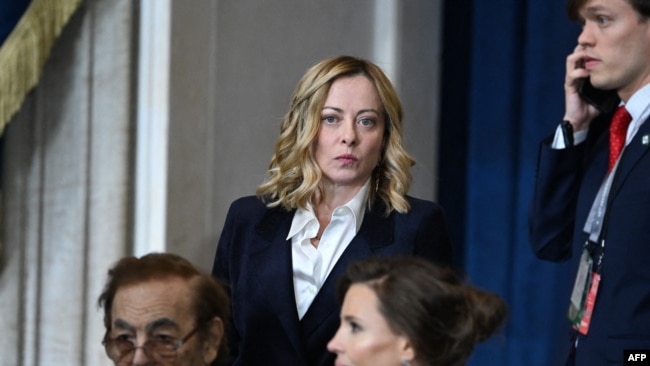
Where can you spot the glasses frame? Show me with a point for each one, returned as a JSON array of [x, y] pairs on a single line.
[[153, 355]]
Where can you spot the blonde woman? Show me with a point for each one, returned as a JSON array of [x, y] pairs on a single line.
[[335, 192]]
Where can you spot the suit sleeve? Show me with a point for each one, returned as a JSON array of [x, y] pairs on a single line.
[[433, 238], [552, 212], [221, 271]]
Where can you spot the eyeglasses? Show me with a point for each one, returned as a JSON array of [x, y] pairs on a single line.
[[122, 349]]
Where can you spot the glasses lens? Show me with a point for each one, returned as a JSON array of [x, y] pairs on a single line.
[[122, 350], [161, 350], [119, 349]]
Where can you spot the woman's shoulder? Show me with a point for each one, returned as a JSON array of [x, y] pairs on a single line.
[[252, 206], [419, 204], [247, 205], [247, 201], [245, 211], [251, 211]]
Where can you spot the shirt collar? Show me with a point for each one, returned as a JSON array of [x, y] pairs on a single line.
[[639, 103], [356, 205], [300, 220], [638, 106]]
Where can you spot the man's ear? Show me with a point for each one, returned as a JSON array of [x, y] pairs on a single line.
[[213, 341]]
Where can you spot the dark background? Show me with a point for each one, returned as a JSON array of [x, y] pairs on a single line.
[[502, 92]]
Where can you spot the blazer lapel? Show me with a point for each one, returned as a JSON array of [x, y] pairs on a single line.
[[632, 154], [271, 258], [376, 232]]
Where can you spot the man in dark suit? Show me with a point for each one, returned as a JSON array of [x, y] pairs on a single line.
[[591, 203]]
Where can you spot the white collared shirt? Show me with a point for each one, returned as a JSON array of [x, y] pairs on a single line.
[[638, 107], [311, 265]]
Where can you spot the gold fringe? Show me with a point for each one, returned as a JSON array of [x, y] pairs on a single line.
[[2, 235], [26, 49]]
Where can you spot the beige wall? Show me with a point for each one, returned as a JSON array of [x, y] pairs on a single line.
[[151, 117]]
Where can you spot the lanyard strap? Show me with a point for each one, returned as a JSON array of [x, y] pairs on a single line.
[[596, 224]]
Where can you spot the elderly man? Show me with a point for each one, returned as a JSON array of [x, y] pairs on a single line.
[[159, 309]]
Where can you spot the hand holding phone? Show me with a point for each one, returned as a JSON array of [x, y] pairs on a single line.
[[604, 100], [583, 102]]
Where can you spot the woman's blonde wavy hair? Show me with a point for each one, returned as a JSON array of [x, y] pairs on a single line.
[[293, 178]]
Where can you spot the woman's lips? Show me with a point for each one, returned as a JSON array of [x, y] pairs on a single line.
[[347, 158]]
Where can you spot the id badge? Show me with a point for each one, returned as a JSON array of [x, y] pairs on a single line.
[[583, 327], [580, 289]]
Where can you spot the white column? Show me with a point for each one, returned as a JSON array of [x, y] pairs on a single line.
[[386, 37], [152, 126]]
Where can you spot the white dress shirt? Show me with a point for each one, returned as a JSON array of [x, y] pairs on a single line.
[[311, 265], [638, 107]]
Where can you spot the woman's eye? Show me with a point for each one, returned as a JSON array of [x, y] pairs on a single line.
[[602, 20], [329, 119], [355, 327], [366, 122]]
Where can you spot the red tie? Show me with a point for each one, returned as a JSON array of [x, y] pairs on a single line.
[[617, 134]]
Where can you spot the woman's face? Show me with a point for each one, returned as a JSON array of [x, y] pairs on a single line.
[[350, 138], [364, 337]]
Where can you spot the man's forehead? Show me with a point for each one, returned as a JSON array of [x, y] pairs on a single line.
[[152, 325], [159, 302]]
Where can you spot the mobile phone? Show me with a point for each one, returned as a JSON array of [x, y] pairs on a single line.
[[605, 100]]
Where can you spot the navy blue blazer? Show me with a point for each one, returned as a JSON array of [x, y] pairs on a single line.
[[253, 261], [566, 185]]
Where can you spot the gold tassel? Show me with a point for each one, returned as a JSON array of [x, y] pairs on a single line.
[[26, 49]]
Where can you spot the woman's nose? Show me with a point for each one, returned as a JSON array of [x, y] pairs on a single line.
[[349, 133], [334, 345]]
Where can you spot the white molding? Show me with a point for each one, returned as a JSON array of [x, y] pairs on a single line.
[[385, 41], [152, 126]]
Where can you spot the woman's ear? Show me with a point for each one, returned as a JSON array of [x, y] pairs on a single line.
[[213, 341], [406, 350]]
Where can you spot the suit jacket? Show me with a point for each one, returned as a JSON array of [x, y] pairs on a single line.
[[567, 183], [253, 261]]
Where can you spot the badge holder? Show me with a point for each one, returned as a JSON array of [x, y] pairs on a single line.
[[585, 289]]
